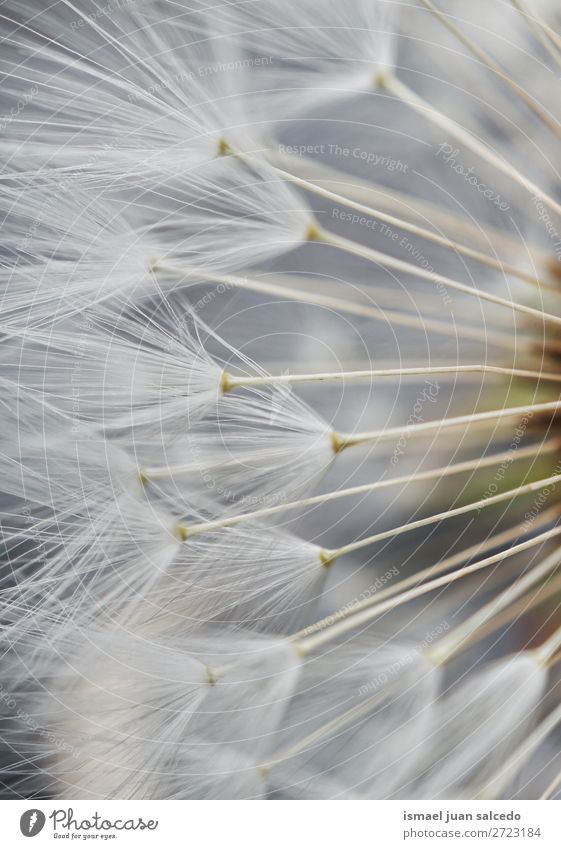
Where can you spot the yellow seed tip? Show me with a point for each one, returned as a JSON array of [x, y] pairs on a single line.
[[337, 442], [326, 557], [225, 383], [299, 650], [182, 532], [380, 78], [224, 148], [313, 233]]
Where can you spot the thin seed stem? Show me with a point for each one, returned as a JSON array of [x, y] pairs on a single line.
[[552, 787], [408, 96], [456, 640], [362, 489], [321, 635], [416, 579], [548, 37], [153, 473], [390, 318], [333, 554], [514, 610], [548, 648], [387, 261], [339, 722], [341, 441], [538, 110], [326, 730], [317, 233], [347, 440], [424, 211], [230, 382], [417, 230], [556, 658], [510, 767], [385, 295], [406, 375]]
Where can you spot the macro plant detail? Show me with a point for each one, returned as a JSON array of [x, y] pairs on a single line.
[[280, 391]]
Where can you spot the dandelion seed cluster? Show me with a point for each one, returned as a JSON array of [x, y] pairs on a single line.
[[279, 382]]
